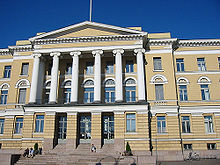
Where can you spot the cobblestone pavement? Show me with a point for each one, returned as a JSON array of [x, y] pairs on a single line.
[[194, 162]]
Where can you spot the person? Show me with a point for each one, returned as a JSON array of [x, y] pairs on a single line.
[[26, 152], [93, 148], [31, 153]]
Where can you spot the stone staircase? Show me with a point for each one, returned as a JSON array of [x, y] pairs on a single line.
[[83, 156]]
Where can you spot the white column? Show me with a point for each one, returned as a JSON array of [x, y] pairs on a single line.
[[54, 77], [97, 75], [35, 75], [118, 75], [75, 76], [140, 74]]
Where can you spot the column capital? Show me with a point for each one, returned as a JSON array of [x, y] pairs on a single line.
[[55, 54], [97, 52], [140, 50], [36, 55], [76, 53], [118, 51]]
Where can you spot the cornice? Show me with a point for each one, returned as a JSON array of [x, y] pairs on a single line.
[[162, 42], [5, 52], [23, 48], [89, 39], [196, 43]]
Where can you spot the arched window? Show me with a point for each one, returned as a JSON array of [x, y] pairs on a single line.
[[130, 90], [22, 85], [109, 91], [159, 81], [67, 92], [47, 91], [88, 91], [182, 84], [204, 85], [4, 93]]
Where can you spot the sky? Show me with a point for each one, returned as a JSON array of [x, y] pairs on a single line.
[[184, 19]]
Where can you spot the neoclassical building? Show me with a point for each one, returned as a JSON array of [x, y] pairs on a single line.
[[106, 85]]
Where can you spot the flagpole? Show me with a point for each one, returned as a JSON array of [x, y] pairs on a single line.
[[90, 18]]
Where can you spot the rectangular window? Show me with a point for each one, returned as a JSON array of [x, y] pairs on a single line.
[[211, 146], [39, 123], [109, 94], [183, 92], [24, 68], [18, 125], [201, 64], [68, 69], [187, 146], [47, 95], [130, 122], [185, 124], [129, 67], [157, 63], [205, 92], [88, 95], [89, 68], [130, 94], [67, 95], [161, 124], [109, 67], [208, 124], [159, 91], [219, 63], [7, 72], [180, 64], [22, 96], [2, 126], [4, 96]]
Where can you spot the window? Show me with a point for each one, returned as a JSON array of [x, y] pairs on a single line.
[[130, 94], [157, 63], [7, 72], [183, 92], [201, 64], [22, 96], [18, 125], [129, 68], [110, 94], [185, 124], [24, 68], [47, 92], [88, 95], [4, 96], [109, 67], [159, 91], [180, 64], [67, 95], [130, 122], [39, 124], [161, 124], [208, 124], [205, 92], [89, 68], [49, 69], [211, 146], [218, 62], [187, 146], [68, 69], [2, 126]]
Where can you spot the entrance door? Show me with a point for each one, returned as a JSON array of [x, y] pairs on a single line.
[[108, 128], [85, 129], [62, 129]]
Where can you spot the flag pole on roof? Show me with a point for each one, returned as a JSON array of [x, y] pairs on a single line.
[[90, 15]]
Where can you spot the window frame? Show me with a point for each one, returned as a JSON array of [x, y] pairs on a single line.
[[129, 66], [157, 63], [2, 123], [68, 70], [183, 94], [4, 97], [161, 97], [186, 147], [19, 96], [89, 91], [211, 146], [160, 127], [109, 67], [18, 130], [129, 122], [39, 124], [180, 67], [187, 125], [7, 72], [209, 124], [24, 71], [201, 64], [89, 68], [205, 93]]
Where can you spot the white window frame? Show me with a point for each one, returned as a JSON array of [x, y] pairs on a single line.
[[129, 122], [24, 69], [160, 128], [186, 124], [201, 64], [39, 121], [208, 122]]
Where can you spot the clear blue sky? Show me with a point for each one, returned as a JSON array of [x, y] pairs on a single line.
[[185, 19]]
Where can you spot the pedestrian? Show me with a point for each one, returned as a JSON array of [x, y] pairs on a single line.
[[93, 148]]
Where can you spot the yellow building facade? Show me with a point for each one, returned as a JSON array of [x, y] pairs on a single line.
[[106, 85]]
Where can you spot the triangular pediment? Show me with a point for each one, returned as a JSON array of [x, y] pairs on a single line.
[[87, 29]]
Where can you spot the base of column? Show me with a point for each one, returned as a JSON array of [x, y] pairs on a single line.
[[71, 144], [32, 103], [119, 101], [52, 102], [74, 103], [142, 101], [96, 102]]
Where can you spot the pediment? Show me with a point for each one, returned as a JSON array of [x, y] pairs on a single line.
[[87, 29]]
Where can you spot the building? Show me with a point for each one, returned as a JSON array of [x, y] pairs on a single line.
[[103, 84]]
